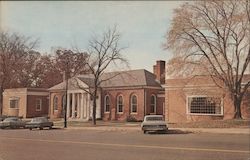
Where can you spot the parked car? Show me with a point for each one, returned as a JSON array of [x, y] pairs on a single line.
[[154, 123], [12, 122], [2, 117], [39, 122]]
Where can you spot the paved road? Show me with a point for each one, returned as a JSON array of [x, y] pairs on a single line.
[[120, 145]]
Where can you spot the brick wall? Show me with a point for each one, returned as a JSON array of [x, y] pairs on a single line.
[[31, 106], [159, 101], [143, 95], [56, 113], [178, 90], [113, 115], [26, 102]]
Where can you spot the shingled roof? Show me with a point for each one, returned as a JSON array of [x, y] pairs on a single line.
[[132, 78]]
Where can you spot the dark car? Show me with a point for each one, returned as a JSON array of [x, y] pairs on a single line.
[[12, 122], [154, 123], [39, 122]]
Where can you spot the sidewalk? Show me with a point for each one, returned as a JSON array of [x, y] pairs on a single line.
[[218, 130], [171, 130], [135, 127]]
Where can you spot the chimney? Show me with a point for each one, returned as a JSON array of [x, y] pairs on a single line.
[[159, 71]]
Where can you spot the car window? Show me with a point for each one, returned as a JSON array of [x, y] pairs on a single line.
[[41, 119], [10, 120], [154, 118]]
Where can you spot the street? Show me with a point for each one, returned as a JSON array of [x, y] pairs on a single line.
[[65, 144]]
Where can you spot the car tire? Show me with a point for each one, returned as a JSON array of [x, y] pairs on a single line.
[[41, 128], [145, 132], [164, 131], [2, 127], [50, 127], [30, 129]]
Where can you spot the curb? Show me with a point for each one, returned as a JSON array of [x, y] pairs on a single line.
[[171, 130]]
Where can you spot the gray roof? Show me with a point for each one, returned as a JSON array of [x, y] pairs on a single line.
[[132, 78], [129, 79]]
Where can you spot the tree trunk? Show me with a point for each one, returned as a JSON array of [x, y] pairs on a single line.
[[94, 112], [237, 106], [1, 100], [94, 108]]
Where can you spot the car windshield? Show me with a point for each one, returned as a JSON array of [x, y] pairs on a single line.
[[154, 118], [10, 120], [39, 120]]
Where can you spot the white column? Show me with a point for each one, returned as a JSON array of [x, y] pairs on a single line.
[[73, 105], [88, 106], [85, 105], [68, 105], [78, 105], [82, 105]]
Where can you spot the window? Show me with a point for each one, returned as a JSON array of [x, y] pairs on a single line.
[[14, 103], [205, 105], [158, 118], [55, 103], [133, 104], [153, 104], [38, 104], [119, 104], [63, 101], [106, 104]]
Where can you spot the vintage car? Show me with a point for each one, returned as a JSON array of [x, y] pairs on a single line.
[[39, 122], [2, 117], [12, 122], [154, 123]]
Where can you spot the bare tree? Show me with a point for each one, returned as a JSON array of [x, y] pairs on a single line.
[[13, 49], [213, 37], [104, 51]]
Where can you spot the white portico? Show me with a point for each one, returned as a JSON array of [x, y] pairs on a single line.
[[79, 103]]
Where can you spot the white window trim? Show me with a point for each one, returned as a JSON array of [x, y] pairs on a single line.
[[131, 104], [117, 106], [202, 114], [54, 103], [154, 104], [105, 102], [14, 98], [40, 102]]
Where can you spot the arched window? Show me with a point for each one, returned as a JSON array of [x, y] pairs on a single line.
[[119, 104], [106, 104], [63, 105], [133, 103], [55, 103], [63, 101], [153, 104]]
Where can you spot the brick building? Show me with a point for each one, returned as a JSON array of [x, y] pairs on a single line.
[[25, 102], [125, 95], [198, 99]]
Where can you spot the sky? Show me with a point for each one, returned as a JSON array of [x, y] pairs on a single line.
[[142, 24]]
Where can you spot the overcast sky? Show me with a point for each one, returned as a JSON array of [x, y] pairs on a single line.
[[142, 24]]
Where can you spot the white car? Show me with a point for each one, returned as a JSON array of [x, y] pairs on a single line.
[[154, 123]]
